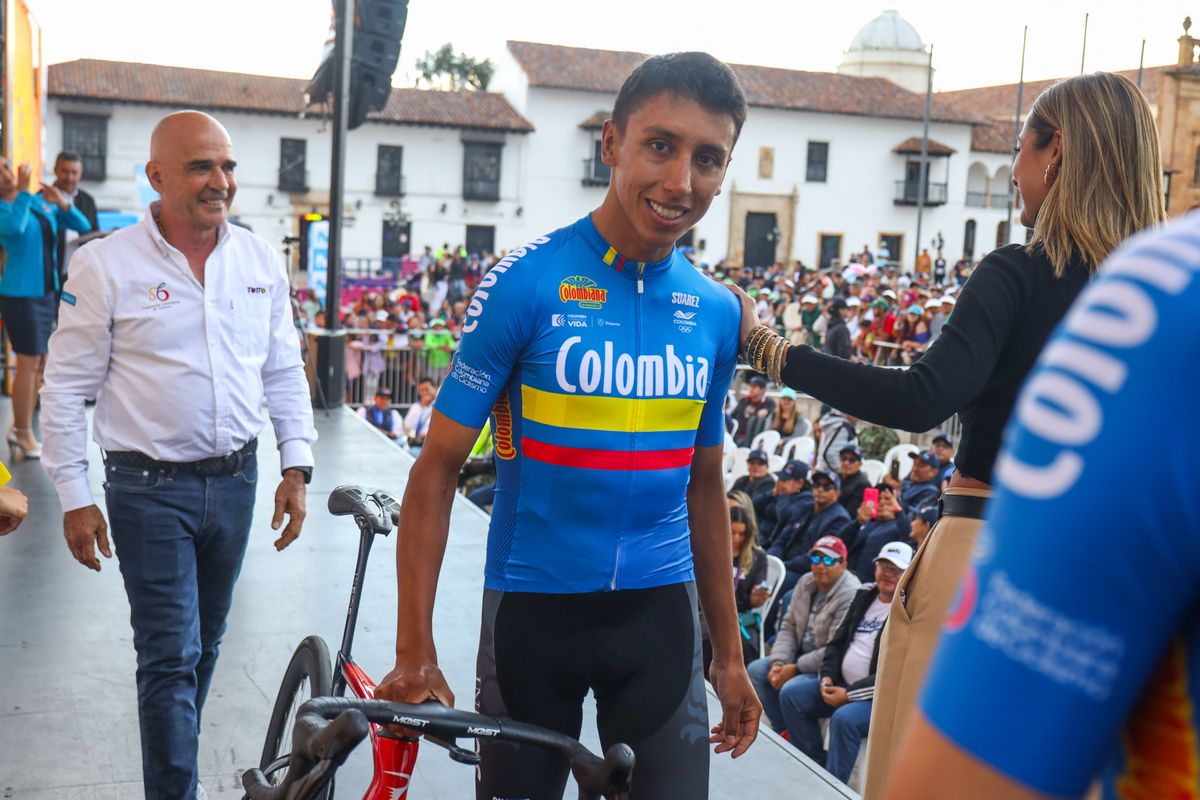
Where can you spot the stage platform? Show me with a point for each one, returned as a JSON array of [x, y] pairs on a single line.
[[68, 711]]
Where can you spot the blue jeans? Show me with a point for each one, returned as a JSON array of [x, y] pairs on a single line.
[[802, 706], [180, 539]]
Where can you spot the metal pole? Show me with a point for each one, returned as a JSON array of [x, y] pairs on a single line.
[[1016, 131], [1083, 55], [923, 172], [1142, 64], [331, 368], [342, 50]]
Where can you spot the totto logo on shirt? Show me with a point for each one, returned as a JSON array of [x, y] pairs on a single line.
[[159, 293]]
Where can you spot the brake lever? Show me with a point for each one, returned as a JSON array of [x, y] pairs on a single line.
[[456, 753]]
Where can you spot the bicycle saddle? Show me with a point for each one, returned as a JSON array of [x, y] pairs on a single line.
[[377, 510]]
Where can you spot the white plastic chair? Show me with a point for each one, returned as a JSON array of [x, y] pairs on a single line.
[[799, 448], [775, 463], [775, 574], [874, 470], [739, 467], [768, 440], [900, 453]]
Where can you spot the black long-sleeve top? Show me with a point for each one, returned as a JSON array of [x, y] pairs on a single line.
[[1003, 316]]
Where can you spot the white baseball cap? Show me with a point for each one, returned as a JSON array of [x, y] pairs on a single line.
[[890, 293], [809, 298], [853, 302], [949, 298], [897, 553], [933, 302]]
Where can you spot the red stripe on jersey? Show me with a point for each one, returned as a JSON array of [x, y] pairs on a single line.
[[606, 459]]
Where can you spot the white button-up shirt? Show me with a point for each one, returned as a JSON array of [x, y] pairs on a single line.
[[179, 370]]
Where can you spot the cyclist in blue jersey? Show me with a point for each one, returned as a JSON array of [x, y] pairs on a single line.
[[603, 358], [1071, 657]]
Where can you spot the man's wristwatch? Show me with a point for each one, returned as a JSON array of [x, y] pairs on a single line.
[[305, 471]]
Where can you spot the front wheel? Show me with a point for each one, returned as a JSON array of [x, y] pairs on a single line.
[[308, 675]]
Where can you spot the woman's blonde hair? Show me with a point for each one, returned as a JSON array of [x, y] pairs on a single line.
[[1109, 184], [741, 513]]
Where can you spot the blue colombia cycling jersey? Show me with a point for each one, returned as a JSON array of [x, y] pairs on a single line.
[[601, 375], [1073, 650]]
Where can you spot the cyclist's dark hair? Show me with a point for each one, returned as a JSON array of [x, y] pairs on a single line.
[[426, 379], [68, 155], [696, 76]]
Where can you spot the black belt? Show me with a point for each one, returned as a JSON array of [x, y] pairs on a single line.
[[205, 467], [961, 505]]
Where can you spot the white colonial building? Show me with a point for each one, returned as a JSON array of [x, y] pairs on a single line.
[[826, 163]]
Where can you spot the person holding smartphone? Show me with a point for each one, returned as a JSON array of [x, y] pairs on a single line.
[[880, 520]]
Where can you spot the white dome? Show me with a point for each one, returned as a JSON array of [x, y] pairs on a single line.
[[888, 31]]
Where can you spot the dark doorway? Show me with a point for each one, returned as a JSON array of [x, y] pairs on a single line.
[[397, 238], [761, 236], [481, 239], [894, 242], [831, 250], [1001, 233], [969, 240], [912, 180]]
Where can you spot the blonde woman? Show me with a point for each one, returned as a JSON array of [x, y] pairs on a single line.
[[1088, 169]]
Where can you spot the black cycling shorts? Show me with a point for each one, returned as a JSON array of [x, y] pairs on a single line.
[[637, 650]]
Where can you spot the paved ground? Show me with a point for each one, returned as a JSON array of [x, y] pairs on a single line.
[[68, 713]]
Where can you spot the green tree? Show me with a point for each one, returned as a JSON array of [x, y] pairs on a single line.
[[446, 69]]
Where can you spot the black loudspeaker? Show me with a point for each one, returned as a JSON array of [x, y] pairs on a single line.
[[378, 29], [330, 371]]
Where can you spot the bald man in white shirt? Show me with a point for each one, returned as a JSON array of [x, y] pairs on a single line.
[[179, 327]]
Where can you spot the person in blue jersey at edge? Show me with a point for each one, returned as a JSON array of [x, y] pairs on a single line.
[[1070, 659], [603, 358]]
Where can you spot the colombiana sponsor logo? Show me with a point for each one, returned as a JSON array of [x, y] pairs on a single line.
[[502, 411], [475, 309], [159, 293], [584, 291]]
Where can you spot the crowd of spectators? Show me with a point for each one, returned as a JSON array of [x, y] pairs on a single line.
[[866, 310]]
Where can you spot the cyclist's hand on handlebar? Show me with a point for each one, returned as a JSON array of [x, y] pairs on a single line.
[[741, 710], [414, 680]]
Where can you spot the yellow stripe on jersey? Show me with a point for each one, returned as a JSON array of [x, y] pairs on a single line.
[[627, 414], [610, 256]]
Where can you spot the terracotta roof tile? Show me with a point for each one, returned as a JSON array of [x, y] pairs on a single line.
[[912, 146], [999, 102], [158, 85], [595, 121], [583, 69], [993, 137]]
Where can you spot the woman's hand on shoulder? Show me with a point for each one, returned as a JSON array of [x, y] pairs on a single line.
[[749, 312]]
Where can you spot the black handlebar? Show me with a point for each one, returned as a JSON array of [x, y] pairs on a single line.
[[321, 747]]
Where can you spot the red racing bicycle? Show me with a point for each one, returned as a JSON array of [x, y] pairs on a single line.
[[313, 729]]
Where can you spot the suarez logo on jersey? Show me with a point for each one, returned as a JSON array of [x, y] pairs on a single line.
[[584, 291]]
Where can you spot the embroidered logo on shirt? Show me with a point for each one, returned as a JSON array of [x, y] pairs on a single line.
[[160, 298], [584, 291]]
